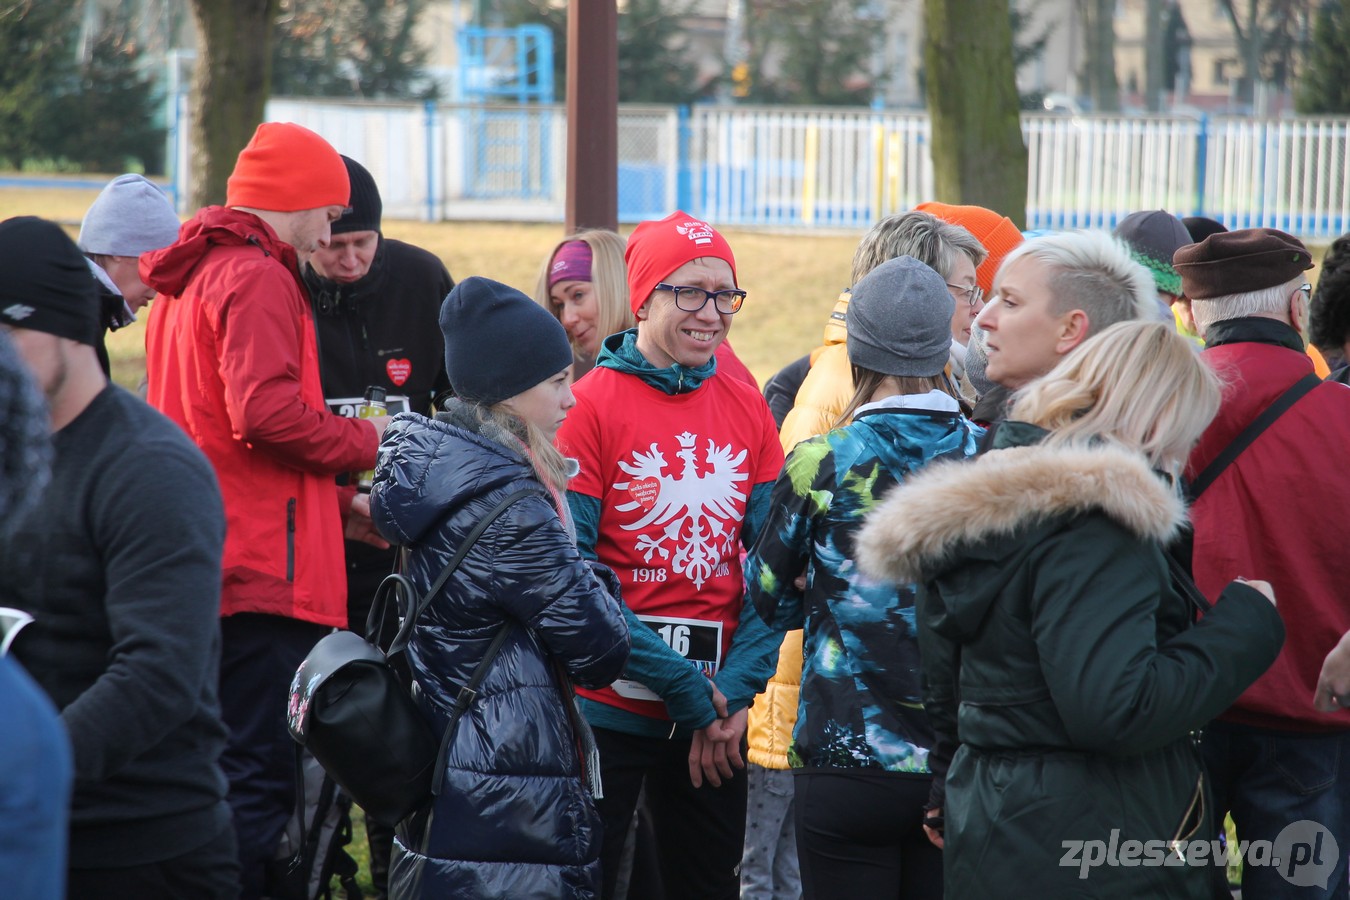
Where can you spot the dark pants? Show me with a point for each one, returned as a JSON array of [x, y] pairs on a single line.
[[1276, 780], [699, 832], [211, 872], [259, 656], [860, 834]]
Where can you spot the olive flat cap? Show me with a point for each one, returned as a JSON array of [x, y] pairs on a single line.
[[1239, 262]]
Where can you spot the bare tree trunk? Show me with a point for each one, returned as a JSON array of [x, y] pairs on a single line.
[[979, 156], [234, 76], [1099, 34]]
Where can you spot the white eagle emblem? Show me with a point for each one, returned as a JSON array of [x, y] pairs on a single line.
[[695, 512]]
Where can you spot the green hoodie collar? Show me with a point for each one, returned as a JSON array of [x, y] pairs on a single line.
[[1012, 433], [620, 353]]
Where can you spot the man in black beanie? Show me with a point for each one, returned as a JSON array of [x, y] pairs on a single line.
[[375, 303], [120, 568]]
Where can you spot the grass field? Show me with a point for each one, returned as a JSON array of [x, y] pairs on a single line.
[[792, 280]]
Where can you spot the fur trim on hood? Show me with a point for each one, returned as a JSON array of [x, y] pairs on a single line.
[[921, 522]]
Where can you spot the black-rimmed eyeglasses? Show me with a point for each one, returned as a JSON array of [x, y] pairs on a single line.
[[693, 299], [972, 294]]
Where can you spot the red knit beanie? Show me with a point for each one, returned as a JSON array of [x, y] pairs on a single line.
[[996, 233], [287, 168], [657, 248]]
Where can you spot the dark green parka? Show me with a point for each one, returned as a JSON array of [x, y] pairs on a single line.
[[1061, 665]]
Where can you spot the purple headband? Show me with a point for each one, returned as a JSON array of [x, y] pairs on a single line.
[[571, 262]]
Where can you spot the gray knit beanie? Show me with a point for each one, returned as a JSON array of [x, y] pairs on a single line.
[[130, 217], [900, 319]]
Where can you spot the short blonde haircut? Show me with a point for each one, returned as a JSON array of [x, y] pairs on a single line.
[[1137, 384], [609, 281], [1091, 271]]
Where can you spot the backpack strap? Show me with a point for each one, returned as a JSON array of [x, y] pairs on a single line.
[[1185, 584], [405, 631], [462, 701], [470, 690], [1250, 434]]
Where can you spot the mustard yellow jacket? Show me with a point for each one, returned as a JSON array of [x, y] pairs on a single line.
[[823, 395], [827, 387]]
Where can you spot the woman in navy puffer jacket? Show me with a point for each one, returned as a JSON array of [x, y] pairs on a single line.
[[515, 817]]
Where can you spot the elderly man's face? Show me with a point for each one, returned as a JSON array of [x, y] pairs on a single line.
[[348, 257], [668, 334], [1024, 335]]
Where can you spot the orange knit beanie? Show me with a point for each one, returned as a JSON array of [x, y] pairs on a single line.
[[286, 168], [996, 232]]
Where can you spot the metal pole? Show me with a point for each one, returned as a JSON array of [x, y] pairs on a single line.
[[592, 115]]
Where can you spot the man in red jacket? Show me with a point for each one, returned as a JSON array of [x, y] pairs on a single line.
[[1277, 763], [231, 357]]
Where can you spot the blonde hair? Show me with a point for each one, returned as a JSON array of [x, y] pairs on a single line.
[[1091, 271], [609, 282], [547, 460], [1137, 384]]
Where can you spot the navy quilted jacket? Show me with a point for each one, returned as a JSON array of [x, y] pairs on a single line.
[[515, 818]]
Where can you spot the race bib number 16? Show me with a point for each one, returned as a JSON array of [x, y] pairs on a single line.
[[697, 640]]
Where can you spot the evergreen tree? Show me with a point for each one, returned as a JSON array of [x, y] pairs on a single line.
[[1028, 46], [96, 116], [811, 52], [349, 48], [1325, 85], [37, 45], [114, 106], [654, 64]]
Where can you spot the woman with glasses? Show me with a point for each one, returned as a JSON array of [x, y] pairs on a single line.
[[952, 251], [860, 747], [1067, 663]]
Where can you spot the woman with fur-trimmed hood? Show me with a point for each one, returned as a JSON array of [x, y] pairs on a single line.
[[1064, 669]]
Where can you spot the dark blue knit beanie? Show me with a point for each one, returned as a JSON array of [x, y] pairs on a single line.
[[498, 342]]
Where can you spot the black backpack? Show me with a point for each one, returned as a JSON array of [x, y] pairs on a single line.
[[352, 711]]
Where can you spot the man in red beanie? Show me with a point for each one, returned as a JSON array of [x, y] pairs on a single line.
[[676, 464], [1276, 759], [231, 357]]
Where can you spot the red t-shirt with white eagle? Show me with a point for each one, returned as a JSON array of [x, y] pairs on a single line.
[[673, 474]]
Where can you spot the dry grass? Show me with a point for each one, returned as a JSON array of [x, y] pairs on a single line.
[[793, 279]]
